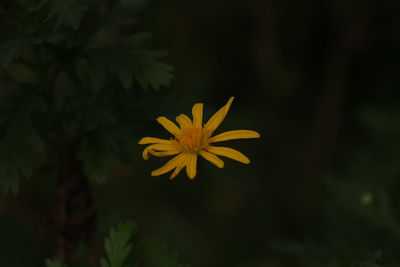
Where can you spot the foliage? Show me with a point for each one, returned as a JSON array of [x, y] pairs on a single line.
[[19, 143], [98, 158], [61, 75], [118, 247], [127, 59], [66, 12]]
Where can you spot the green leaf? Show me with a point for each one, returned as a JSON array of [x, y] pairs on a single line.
[[154, 75], [131, 59], [104, 263], [55, 263], [117, 245], [66, 12], [18, 147], [98, 157]]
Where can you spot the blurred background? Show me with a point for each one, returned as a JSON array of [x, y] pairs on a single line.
[[319, 81]]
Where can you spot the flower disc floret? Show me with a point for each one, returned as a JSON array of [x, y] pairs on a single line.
[[192, 140]]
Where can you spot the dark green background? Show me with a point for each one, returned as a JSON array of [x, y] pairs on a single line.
[[319, 80]]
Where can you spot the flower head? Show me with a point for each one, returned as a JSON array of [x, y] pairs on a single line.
[[191, 139]]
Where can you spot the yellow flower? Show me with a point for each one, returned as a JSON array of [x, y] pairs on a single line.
[[191, 138]]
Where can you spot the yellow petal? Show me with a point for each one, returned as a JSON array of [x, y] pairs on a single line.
[[180, 165], [229, 153], [191, 165], [237, 134], [184, 121], [171, 164], [217, 118], [168, 125], [164, 153], [159, 147], [153, 140], [212, 158], [197, 112]]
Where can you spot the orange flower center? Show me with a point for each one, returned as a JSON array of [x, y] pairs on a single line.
[[192, 140]]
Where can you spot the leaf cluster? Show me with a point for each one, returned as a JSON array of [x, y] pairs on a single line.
[[70, 75], [121, 252]]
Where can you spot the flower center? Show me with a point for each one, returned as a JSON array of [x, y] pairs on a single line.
[[192, 139]]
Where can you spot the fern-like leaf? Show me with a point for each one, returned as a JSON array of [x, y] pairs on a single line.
[[117, 245], [66, 12]]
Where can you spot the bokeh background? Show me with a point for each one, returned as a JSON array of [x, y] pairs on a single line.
[[319, 80]]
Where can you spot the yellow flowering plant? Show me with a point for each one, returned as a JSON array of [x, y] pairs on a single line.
[[191, 139]]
